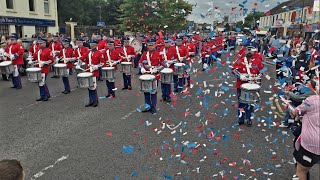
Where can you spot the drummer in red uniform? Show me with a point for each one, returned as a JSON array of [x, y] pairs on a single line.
[[241, 67], [149, 63], [112, 58], [94, 59], [44, 58], [169, 55], [183, 54], [81, 49], [15, 54], [127, 54], [65, 53], [55, 47]]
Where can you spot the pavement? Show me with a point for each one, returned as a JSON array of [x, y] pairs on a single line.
[[194, 137]]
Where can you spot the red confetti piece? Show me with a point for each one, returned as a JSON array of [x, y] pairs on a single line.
[[109, 134]]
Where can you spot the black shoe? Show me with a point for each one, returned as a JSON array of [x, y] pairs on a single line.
[[176, 90], [95, 104], [40, 99], [153, 112], [135, 67], [163, 99], [55, 77], [89, 104], [124, 88], [13, 87], [129, 88], [18, 87], [168, 99], [66, 92], [45, 99], [108, 96], [240, 123], [49, 96], [249, 123], [113, 95]]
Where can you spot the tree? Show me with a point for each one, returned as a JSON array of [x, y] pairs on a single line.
[[152, 16]]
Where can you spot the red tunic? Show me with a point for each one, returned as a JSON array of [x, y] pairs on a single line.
[[15, 49], [170, 53], [44, 55], [67, 53], [96, 58], [102, 45], [33, 49], [55, 46], [129, 51], [155, 60], [78, 52], [239, 65], [114, 56]]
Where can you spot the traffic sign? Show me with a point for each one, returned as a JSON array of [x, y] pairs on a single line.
[[101, 24]]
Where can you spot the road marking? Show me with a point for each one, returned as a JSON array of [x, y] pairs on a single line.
[[39, 174], [129, 114]]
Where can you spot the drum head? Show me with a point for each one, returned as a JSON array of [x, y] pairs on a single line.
[[126, 63], [35, 69], [166, 71], [249, 86], [107, 68], [85, 74], [147, 77], [5, 63], [179, 64], [60, 65]]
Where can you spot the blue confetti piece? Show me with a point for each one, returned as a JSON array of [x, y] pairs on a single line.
[[225, 88], [102, 97], [275, 140], [128, 149], [134, 173], [263, 70], [116, 178], [191, 145], [199, 92], [167, 176]]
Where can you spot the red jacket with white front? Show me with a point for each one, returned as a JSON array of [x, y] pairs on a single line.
[[80, 51], [170, 53], [127, 50], [96, 58], [155, 60], [15, 49], [33, 49], [255, 66], [67, 53], [55, 46], [114, 55], [43, 55]]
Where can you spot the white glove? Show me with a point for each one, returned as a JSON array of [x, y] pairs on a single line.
[[181, 59], [30, 62], [12, 57], [154, 70], [243, 77], [205, 66], [78, 66], [143, 71], [95, 67]]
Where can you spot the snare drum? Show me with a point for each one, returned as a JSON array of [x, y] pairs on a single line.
[[109, 73], [85, 80], [148, 83], [60, 69], [250, 93], [126, 67], [34, 74], [6, 67], [179, 68], [166, 76]]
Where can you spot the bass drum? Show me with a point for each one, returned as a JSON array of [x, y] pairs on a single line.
[[137, 45]]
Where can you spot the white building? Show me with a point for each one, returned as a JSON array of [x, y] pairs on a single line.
[[26, 17]]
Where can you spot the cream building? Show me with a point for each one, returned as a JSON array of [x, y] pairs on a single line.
[[26, 17], [289, 18]]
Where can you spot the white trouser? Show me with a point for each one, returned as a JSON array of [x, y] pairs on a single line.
[[43, 80], [94, 80], [15, 71]]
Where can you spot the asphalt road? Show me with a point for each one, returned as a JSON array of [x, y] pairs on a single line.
[[194, 137]]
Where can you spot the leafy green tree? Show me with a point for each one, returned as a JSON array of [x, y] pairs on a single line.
[[250, 20]]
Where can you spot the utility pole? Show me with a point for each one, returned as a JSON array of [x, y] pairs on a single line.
[[99, 12]]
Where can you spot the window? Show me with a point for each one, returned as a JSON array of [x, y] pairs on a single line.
[[42, 29], [4, 30], [46, 7], [31, 5], [9, 4]]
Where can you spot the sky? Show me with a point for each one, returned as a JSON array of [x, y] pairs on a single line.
[[206, 11]]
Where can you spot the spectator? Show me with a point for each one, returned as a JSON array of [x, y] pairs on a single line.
[[307, 146], [11, 170]]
